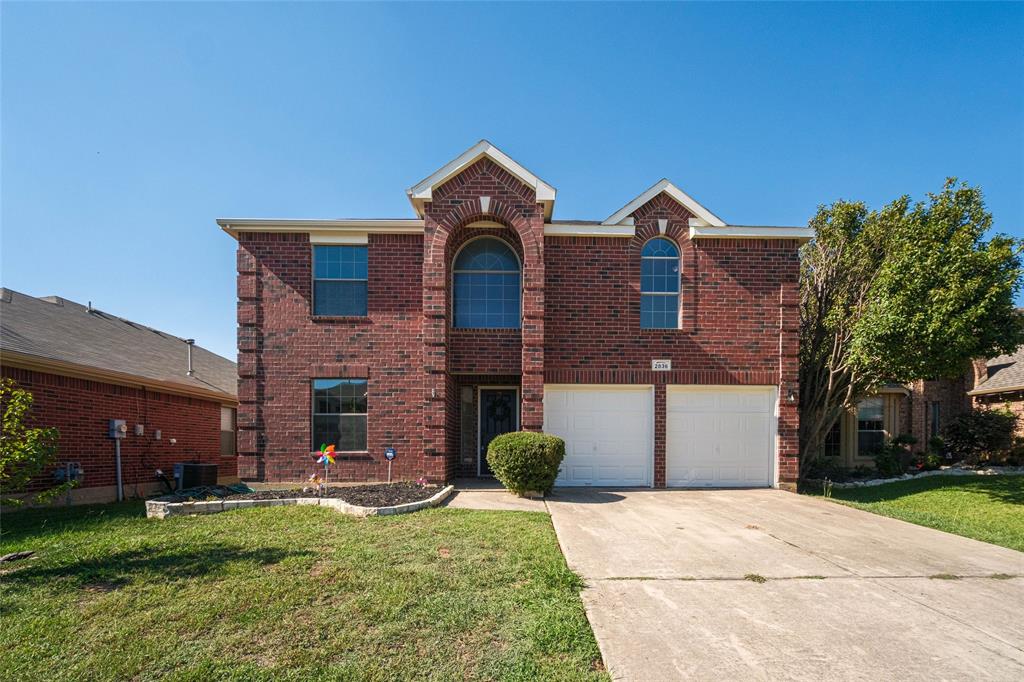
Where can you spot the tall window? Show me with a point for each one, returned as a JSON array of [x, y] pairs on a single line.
[[659, 285], [833, 439], [486, 286], [339, 414], [936, 419], [339, 284], [870, 425], [227, 432]]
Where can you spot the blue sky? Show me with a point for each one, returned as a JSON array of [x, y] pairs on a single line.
[[128, 128]]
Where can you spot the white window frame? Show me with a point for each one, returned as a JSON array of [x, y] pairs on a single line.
[[313, 414], [679, 281], [315, 279], [521, 274]]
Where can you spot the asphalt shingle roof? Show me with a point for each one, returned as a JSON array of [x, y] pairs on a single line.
[[1005, 371], [57, 329]]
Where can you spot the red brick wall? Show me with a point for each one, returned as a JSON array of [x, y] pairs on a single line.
[[282, 348], [81, 409], [581, 324], [738, 301]]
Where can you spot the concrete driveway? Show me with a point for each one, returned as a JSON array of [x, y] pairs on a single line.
[[671, 589]]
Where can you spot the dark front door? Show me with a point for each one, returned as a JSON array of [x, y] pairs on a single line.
[[499, 413]]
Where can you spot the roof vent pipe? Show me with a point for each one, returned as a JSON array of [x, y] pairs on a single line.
[[190, 343]]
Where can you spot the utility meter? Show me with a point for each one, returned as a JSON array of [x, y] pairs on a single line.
[[118, 429]]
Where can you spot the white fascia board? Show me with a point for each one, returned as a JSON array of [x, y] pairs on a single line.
[[321, 227], [423, 190], [595, 230], [993, 391], [751, 232], [663, 185]]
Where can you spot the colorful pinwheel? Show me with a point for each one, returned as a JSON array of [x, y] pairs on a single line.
[[326, 455]]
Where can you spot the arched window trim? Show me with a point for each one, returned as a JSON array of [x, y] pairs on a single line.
[[455, 271], [679, 279]]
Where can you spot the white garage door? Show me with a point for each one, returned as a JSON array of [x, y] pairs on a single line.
[[720, 436], [608, 433]]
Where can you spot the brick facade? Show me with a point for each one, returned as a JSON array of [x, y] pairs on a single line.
[[81, 408], [580, 324]]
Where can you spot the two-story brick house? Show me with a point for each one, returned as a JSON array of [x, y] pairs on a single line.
[[661, 343]]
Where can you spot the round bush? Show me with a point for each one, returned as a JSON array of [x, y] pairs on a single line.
[[525, 462]]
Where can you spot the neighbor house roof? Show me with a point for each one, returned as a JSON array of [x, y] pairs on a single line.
[[59, 336], [1004, 374]]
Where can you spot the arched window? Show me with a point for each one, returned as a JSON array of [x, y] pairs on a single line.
[[487, 290], [659, 285]]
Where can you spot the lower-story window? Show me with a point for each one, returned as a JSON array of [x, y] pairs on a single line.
[[833, 439], [870, 425], [339, 414]]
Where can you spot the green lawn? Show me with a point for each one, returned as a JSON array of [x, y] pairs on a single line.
[[987, 508], [289, 593]]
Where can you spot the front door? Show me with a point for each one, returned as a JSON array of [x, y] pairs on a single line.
[[499, 413]]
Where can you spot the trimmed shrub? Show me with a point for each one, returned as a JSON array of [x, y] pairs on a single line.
[[981, 435], [525, 462]]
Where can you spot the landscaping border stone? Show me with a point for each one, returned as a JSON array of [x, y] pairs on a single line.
[[156, 509], [946, 471]]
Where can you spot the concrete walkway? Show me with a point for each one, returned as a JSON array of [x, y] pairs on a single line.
[[763, 584], [489, 495]]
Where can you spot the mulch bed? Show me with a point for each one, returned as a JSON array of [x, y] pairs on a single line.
[[382, 495]]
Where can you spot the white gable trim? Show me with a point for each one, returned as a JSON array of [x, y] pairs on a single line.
[[422, 191], [750, 232], [677, 194]]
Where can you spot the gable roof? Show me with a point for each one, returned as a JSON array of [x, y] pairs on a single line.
[[663, 185], [1005, 374], [60, 336], [422, 191]]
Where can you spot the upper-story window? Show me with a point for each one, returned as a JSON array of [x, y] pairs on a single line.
[[339, 280], [659, 284], [486, 291]]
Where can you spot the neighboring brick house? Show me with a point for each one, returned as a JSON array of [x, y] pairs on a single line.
[[660, 343], [85, 367], [920, 408], [1000, 382]]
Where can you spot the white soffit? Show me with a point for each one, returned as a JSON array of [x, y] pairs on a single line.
[[750, 232], [422, 192], [677, 194]]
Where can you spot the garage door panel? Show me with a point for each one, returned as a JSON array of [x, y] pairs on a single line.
[[719, 436], [607, 431]]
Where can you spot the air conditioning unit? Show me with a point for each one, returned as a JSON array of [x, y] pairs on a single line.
[[195, 474]]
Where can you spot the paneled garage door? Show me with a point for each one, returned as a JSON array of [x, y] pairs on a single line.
[[720, 436], [608, 433]]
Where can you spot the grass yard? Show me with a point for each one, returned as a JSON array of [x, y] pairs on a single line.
[[987, 508], [289, 593]]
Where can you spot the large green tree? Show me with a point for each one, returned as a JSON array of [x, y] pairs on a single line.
[[911, 291]]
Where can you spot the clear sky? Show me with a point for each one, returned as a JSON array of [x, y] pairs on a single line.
[[128, 128]]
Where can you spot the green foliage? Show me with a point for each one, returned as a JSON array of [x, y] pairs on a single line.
[[981, 435], [901, 293], [928, 461], [525, 461], [887, 462], [24, 452], [893, 457]]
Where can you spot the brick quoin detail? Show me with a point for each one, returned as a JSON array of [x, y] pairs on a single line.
[[80, 410], [581, 325]]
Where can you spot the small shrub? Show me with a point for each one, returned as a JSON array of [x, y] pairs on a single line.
[[887, 462], [893, 458], [928, 461], [981, 435], [525, 461]]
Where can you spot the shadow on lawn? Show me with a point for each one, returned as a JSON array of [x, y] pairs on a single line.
[[1005, 489], [118, 569]]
